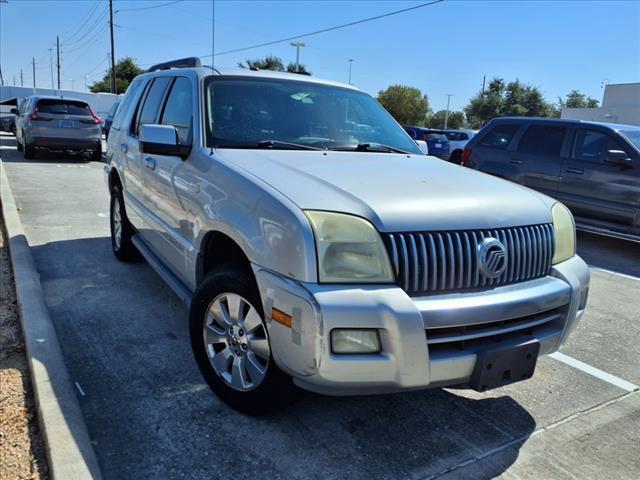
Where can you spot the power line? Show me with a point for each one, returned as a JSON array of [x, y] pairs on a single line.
[[90, 41], [149, 8], [82, 23], [329, 29], [89, 30]]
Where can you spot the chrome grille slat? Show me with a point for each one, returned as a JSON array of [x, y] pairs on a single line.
[[429, 262]]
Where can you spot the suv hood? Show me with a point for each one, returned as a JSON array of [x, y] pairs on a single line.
[[395, 192]]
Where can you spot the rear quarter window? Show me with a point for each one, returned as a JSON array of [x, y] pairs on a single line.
[[542, 140], [499, 136]]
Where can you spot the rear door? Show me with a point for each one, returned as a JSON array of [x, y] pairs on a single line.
[[162, 179], [539, 156], [491, 152], [597, 190]]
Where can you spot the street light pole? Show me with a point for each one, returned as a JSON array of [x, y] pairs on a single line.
[[298, 45], [446, 115], [350, 63]]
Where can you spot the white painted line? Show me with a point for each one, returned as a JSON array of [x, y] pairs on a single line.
[[606, 270], [80, 390], [607, 377]]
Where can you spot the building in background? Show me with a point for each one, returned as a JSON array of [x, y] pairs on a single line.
[[620, 104]]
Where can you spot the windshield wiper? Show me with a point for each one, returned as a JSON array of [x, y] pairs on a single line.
[[370, 147], [279, 144]]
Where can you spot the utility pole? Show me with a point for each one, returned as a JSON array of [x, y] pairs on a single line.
[[51, 65], [350, 63], [33, 62], [446, 115], [73, 84], [14, 80], [21, 79], [484, 79], [58, 59], [298, 45], [113, 59], [1, 78]]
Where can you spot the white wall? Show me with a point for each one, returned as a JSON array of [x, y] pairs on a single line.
[[100, 102], [620, 104]]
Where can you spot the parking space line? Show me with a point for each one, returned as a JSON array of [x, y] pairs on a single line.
[[613, 272], [596, 372]]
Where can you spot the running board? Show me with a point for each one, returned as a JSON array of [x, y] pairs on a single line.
[[161, 269], [607, 232]]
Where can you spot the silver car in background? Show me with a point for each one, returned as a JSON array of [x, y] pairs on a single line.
[[57, 124]]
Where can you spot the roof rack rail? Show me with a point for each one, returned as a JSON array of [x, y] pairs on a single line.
[[188, 62]]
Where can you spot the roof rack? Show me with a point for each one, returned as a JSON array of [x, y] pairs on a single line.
[[189, 62]]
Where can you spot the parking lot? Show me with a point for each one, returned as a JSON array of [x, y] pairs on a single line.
[[124, 335]]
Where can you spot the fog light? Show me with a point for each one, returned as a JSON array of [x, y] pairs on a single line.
[[361, 340]]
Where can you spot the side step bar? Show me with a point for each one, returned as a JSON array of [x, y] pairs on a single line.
[[607, 232], [161, 269]]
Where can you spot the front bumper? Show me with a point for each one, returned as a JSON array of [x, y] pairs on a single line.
[[426, 341]]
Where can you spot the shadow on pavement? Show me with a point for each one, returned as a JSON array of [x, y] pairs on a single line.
[[621, 256], [41, 156], [124, 335]]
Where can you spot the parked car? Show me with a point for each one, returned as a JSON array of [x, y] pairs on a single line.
[[8, 124], [109, 119], [437, 141], [57, 124], [458, 139], [593, 168], [317, 247]]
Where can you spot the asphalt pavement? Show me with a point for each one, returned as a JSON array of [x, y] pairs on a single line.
[[124, 337]]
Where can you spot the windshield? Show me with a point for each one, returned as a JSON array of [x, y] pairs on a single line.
[[633, 136], [284, 114]]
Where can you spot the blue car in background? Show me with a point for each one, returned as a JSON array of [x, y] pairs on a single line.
[[437, 141]]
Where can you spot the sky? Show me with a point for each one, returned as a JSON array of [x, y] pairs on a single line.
[[442, 49]]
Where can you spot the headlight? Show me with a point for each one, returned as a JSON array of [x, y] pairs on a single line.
[[564, 230], [349, 249]]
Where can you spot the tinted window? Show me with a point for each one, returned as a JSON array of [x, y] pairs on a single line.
[[633, 136], [178, 110], [542, 140], [435, 137], [125, 104], [499, 136], [592, 146], [63, 107], [152, 102], [457, 136]]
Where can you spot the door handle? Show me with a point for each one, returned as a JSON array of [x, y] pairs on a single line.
[[577, 171], [516, 161], [150, 163], [123, 147]]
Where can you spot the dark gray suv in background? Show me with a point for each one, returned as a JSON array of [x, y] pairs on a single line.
[[593, 168]]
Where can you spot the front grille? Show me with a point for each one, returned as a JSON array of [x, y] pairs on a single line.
[[470, 338], [430, 262]]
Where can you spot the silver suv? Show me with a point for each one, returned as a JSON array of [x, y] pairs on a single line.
[[58, 124], [317, 247]]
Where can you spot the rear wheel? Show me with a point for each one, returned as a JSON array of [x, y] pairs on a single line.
[[456, 157], [231, 344], [18, 145], [96, 155], [121, 229], [29, 151]]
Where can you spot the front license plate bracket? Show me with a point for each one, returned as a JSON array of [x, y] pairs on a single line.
[[496, 367]]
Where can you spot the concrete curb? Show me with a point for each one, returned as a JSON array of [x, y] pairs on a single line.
[[69, 450]]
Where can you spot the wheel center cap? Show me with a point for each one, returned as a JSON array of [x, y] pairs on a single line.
[[234, 341]]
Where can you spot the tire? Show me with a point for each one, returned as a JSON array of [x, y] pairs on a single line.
[[29, 152], [239, 344], [456, 157], [18, 145], [13, 130], [121, 230], [96, 155]]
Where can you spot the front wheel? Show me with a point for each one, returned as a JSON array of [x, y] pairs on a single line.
[[96, 155], [231, 344]]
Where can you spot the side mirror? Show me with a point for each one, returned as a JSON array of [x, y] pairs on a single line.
[[422, 145], [618, 157], [162, 140], [15, 111]]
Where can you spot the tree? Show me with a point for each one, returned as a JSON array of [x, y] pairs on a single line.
[[576, 99], [406, 104], [126, 71], [271, 62], [454, 122], [514, 99]]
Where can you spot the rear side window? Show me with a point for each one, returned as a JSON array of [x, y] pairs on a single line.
[[178, 110], [499, 136], [125, 104], [457, 136], [592, 146], [152, 102], [435, 137], [542, 140], [63, 107]]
